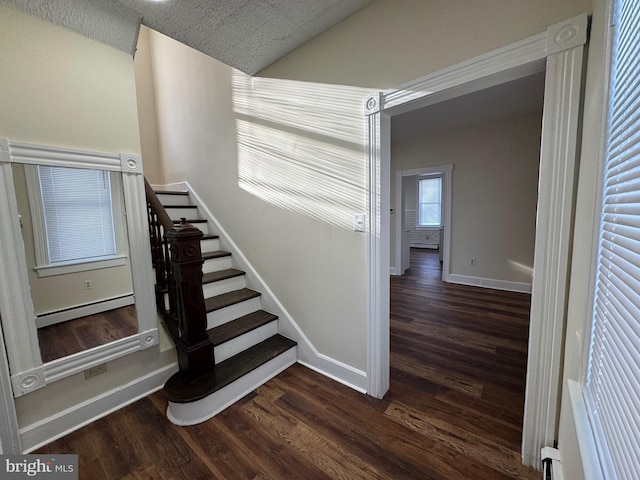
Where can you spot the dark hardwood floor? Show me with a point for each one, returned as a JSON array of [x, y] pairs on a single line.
[[454, 410], [73, 336]]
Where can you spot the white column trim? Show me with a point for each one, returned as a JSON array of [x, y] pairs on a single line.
[[378, 245], [556, 198]]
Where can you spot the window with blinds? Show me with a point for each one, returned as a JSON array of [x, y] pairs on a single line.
[[76, 215], [430, 202], [612, 392]]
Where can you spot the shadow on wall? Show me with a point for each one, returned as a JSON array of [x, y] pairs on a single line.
[[301, 146]]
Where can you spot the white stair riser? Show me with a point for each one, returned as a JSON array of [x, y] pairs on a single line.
[[178, 213], [216, 264], [206, 408], [203, 227], [210, 245], [166, 199], [224, 315], [223, 286], [241, 343]]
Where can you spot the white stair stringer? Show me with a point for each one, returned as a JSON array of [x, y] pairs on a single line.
[[201, 410], [308, 355]]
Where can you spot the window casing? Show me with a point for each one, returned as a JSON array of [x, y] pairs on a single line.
[[77, 219], [612, 390], [430, 202]]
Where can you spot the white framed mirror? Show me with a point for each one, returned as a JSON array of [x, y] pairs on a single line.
[[121, 176]]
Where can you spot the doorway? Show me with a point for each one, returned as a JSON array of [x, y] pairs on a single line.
[[560, 52]]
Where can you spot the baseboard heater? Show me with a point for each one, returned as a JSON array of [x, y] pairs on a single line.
[[551, 466]]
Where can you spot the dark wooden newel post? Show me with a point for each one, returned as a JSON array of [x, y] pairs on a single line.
[[195, 348]]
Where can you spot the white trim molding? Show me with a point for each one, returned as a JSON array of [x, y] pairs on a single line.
[[556, 198], [28, 372], [559, 51], [490, 283]]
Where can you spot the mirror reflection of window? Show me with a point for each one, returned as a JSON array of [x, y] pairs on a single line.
[[73, 212]]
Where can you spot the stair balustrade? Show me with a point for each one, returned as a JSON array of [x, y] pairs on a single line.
[[177, 262]]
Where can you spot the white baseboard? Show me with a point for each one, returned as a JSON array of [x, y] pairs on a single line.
[[490, 283], [308, 355], [46, 431], [51, 318]]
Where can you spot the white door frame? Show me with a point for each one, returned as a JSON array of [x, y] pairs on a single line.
[[559, 52], [445, 170]]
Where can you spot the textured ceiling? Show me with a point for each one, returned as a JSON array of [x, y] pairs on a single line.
[[246, 34]]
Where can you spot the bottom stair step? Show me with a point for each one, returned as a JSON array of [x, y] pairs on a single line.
[[226, 372], [235, 378]]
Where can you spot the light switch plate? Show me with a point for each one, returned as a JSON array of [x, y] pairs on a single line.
[[358, 222]]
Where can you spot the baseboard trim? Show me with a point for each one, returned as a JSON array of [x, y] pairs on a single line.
[[46, 431], [490, 283], [51, 318]]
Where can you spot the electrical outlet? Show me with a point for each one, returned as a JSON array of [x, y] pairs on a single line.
[[472, 262], [88, 285], [95, 371]]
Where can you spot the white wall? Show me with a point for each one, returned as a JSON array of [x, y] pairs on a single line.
[[494, 192]]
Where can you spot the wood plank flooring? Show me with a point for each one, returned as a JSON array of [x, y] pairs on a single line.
[[454, 410], [73, 336]]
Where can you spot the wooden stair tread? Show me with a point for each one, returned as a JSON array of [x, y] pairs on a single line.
[[228, 299], [210, 236], [216, 254], [191, 220], [240, 326], [178, 391], [180, 206], [221, 275]]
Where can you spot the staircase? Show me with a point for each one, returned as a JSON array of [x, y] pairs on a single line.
[[227, 345]]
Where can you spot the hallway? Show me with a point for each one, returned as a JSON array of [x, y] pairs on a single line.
[[454, 410]]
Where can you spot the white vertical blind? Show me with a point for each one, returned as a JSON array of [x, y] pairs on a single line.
[[78, 213], [612, 392]]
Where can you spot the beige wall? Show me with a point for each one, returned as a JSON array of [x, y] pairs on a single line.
[[281, 166], [146, 96], [395, 41], [60, 88], [494, 192]]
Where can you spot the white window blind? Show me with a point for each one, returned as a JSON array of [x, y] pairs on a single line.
[[78, 214], [612, 393], [430, 202]]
